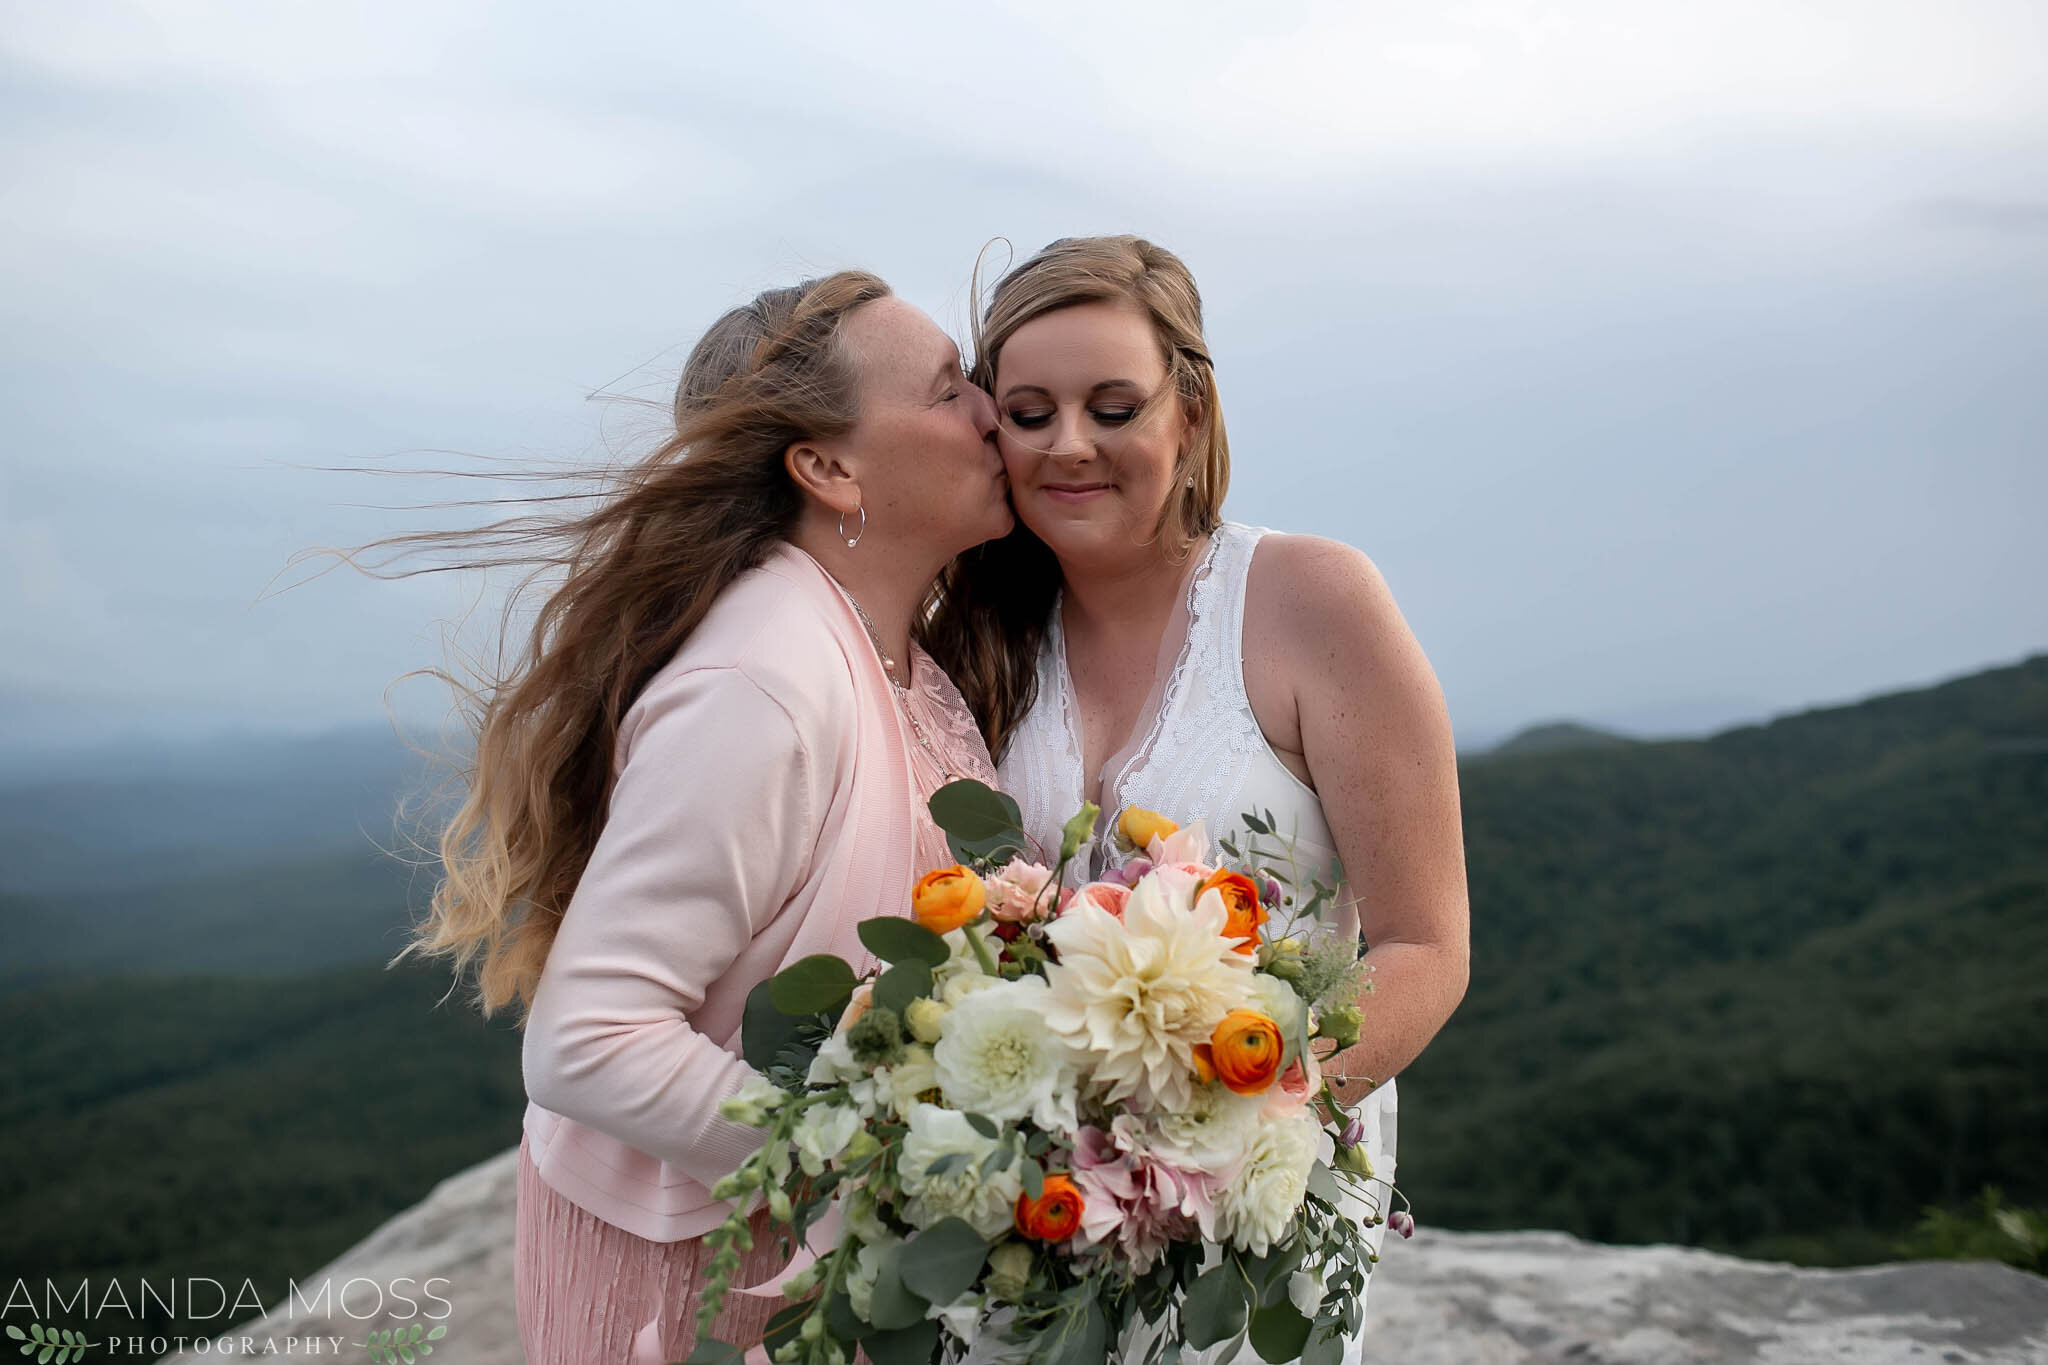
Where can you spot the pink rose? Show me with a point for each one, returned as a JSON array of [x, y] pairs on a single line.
[[1301, 1081], [1015, 894]]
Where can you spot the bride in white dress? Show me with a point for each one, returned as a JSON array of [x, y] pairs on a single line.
[[1153, 654]]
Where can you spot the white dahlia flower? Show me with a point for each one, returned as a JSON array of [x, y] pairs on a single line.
[[1137, 995], [1210, 1132], [998, 1059], [987, 1203], [1255, 1210]]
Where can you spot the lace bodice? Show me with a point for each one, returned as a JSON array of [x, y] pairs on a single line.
[[958, 749], [1200, 755]]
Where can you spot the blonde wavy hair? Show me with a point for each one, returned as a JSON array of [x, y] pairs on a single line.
[[995, 601], [666, 536]]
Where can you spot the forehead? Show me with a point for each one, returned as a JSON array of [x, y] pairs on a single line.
[[896, 345], [1087, 342]]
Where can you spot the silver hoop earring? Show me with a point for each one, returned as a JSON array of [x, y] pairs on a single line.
[[854, 539]]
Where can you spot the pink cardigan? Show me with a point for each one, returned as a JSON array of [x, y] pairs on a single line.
[[762, 809]]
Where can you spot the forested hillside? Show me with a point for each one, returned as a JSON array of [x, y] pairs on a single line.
[[1774, 990]]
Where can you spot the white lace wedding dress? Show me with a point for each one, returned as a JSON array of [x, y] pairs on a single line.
[[1201, 755]]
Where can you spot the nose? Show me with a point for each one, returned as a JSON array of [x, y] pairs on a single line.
[[984, 413], [1068, 442]]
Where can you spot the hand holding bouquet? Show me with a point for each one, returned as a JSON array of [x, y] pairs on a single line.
[[1059, 1110]]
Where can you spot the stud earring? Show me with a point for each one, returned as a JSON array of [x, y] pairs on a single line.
[[1191, 481], [861, 530]]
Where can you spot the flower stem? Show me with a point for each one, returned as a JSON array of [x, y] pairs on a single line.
[[988, 964]]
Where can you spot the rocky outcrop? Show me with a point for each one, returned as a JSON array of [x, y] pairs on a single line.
[[1444, 1298]]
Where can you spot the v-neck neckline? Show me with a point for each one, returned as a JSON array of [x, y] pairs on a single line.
[[1093, 787]]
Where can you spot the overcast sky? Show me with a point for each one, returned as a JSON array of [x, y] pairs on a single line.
[[1678, 364]]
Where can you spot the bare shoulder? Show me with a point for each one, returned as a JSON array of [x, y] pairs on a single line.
[[1315, 597]]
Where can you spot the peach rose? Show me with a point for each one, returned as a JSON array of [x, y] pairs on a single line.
[[945, 899], [1106, 895]]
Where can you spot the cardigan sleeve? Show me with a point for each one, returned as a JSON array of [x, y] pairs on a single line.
[[713, 819]]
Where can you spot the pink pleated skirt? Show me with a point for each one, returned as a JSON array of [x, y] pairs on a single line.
[[591, 1293]]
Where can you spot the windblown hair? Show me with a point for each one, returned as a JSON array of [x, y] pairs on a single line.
[[643, 567], [995, 601]]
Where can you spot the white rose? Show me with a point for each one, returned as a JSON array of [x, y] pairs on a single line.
[[1211, 1133], [926, 1020], [1255, 1210], [986, 1203]]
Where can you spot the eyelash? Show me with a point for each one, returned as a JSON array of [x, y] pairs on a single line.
[[1115, 417]]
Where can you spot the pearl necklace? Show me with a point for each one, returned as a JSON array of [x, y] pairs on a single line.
[[901, 688]]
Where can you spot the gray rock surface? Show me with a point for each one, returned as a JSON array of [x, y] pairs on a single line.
[[1444, 1298]]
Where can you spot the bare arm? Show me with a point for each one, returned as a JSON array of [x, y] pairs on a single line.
[[1377, 740]]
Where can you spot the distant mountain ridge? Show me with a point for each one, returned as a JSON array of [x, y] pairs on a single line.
[[1555, 737]]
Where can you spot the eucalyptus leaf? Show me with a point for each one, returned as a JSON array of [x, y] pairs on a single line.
[[893, 938], [1324, 1348], [996, 850], [906, 981], [894, 1305], [1215, 1308], [819, 984], [969, 811], [912, 1345], [841, 1321], [1087, 1341], [764, 1029], [942, 1262], [1279, 1332], [984, 1125], [786, 1323], [711, 1351], [1034, 1179]]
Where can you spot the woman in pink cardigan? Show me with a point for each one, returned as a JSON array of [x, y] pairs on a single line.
[[712, 761]]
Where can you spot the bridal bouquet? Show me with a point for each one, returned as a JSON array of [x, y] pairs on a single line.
[[1059, 1110]]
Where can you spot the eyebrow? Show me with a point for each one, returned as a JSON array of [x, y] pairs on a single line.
[[1016, 389]]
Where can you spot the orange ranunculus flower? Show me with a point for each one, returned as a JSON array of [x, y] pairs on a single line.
[[1055, 1215], [1241, 898], [1246, 1049], [948, 898], [1139, 827]]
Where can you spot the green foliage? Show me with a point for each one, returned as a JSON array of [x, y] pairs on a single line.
[[897, 940], [175, 1126], [818, 984], [1775, 991], [1989, 1230]]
